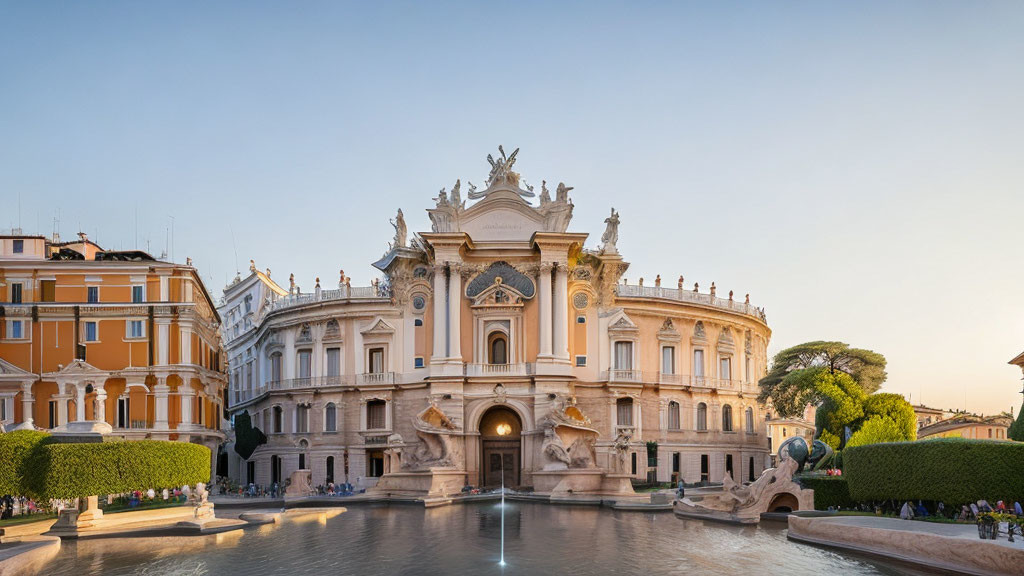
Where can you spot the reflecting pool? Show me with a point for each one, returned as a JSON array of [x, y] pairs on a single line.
[[464, 539]]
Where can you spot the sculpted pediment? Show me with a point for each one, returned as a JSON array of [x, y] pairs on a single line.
[[378, 326], [501, 217]]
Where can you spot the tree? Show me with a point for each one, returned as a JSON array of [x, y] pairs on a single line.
[[790, 387], [1016, 431], [842, 403], [895, 408]]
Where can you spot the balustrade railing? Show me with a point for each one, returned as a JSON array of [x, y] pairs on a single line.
[[497, 370], [617, 375], [376, 378], [343, 293], [683, 295]]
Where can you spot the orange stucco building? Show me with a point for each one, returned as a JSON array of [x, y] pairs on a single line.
[[116, 343]]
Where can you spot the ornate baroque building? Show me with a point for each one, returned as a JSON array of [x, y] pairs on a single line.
[[497, 341], [107, 342]]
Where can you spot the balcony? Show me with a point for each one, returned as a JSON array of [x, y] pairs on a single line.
[[682, 295], [485, 370], [624, 376], [670, 379], [376, 379]]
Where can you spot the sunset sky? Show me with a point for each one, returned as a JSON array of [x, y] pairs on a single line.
[[857, 168]]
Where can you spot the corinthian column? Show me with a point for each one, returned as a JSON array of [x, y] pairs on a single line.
[[440, 316], [545, 311], [561, 313], [455, 313]]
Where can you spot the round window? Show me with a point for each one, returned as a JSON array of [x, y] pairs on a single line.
[[419, 302], [580, 300]]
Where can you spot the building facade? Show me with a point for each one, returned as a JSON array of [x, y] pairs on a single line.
[[497, 343], [115, 343], [781, 429], [968, 426]]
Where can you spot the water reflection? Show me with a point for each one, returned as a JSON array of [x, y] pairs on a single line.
[[465, 539]]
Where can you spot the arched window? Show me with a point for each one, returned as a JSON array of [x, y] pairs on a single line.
[[275, 367], [278, 419], [702, 416], [673, 415], [727, 418], [624, 411], [330, 469], [497, 348], [750, 420], [330, 418]]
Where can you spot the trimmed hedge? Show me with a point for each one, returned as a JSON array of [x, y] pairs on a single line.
[[829, 491], [950, 470], [15, 448], [60, 471]]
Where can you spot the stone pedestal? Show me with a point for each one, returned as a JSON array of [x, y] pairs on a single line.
[[201, 515], [580, 481], [300, 485], [431, 483], [72, 520]]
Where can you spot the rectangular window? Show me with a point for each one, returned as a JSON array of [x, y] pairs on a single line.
[[52, 414], [305, 363], [376, 415], [418, 362], [48, 290], [19, 246], [16, 330], [138, 293], [623, 355], [16, 293], [376, 360], [624, 411], [581, 319], [698, 363], [705, 468], [334, 361], [581, 361], [747, 370], [725, 368], [92, 294], [668, 360], [302, 419], [136, 329], [91, 334]]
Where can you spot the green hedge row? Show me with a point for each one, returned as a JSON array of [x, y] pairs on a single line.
[[78, 470], [950, 470], [829, 491], [33, 464], [15, 448]]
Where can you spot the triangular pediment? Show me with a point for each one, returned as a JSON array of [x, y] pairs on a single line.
[[623, 322], [378, 326], [10, 370], [80, 368]]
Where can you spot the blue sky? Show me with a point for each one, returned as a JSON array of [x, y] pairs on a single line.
[[855, 167]]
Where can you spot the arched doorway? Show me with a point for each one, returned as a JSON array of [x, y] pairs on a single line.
[[501, 445], [784, 502]]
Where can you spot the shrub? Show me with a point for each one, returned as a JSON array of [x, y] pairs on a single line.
[[15, 448], [950, 470], [876, 430], [828, 491], [60, 471]]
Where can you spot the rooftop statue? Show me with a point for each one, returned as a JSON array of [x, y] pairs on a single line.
[[611, 233], [400, 229]]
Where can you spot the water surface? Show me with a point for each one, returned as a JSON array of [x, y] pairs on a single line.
[[465, 539]]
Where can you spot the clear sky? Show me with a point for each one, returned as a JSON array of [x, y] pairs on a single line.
[[856, 167]]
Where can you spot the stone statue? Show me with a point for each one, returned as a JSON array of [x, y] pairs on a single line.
[[545, 196], [553, 451], [621, 448], [562, 192], [400, 230], [611, 233], [456, 197], [581, 453], [501, 170], [436, 448]]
